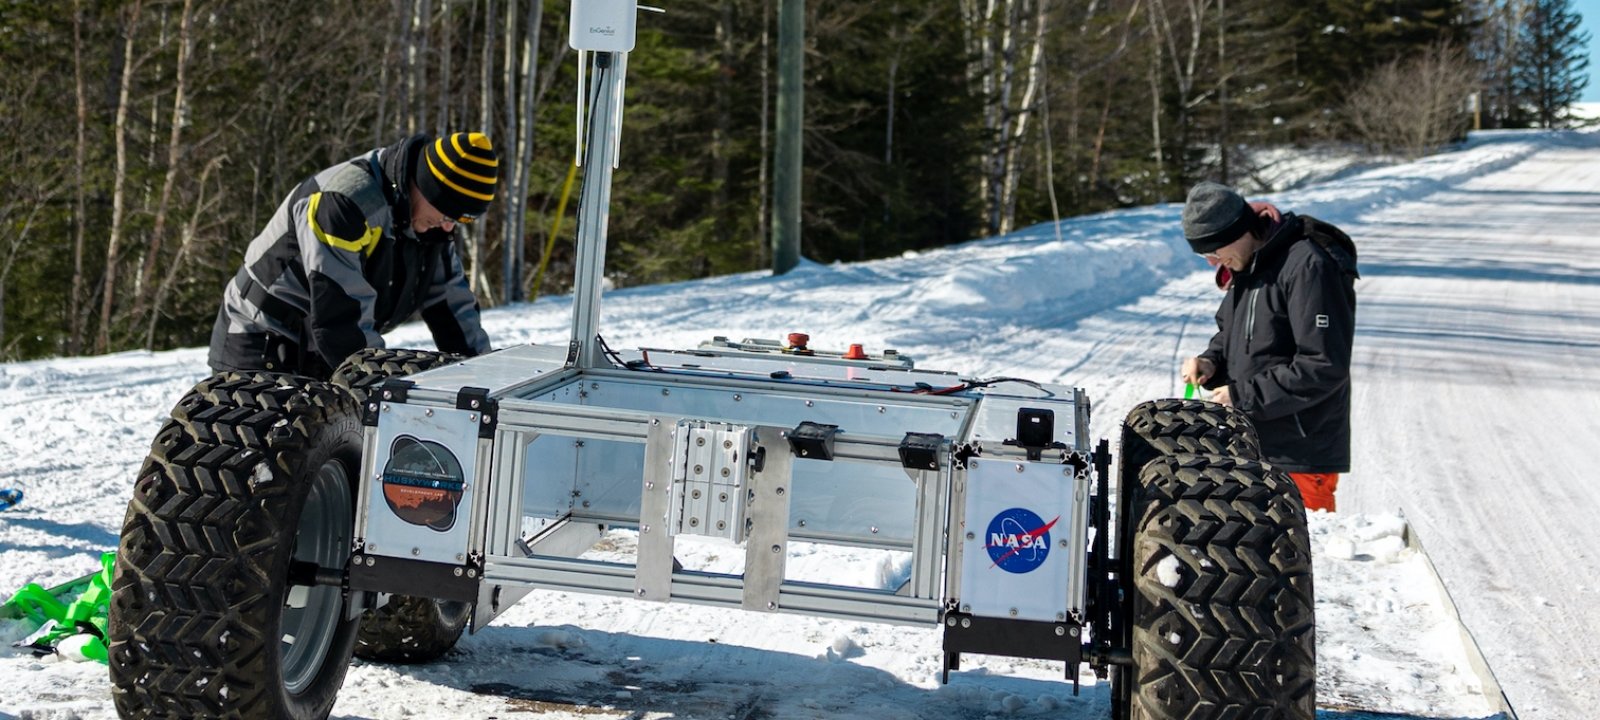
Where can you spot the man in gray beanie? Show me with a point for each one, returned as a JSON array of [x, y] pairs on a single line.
[[1285, 329]]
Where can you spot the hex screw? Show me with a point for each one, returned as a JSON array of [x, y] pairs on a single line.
[[473, 404], [371, 560], [1072, 631], [416, 551], [951, 621], [639, 592], [1060, 631], [428, 412], [966, 622], [457, 572], [772, 605], [737, 397], [1019, 467]]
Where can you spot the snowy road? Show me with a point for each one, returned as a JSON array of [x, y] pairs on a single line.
[[1477, 381], [1476, 409]]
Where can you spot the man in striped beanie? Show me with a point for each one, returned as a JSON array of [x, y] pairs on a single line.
[[355, 250]]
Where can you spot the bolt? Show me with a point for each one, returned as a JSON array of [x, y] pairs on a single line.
[[460, 558], [650, 485], [737, 397], [1013, 612], [971, 536], [695, 494], [721, 525], [586, 503], [388, 395], [472, 417], [951, 621], [1072, 631], [594, 386], [639, 592], [966, 622], [779, 490], [644, 528], [726, 472], [371, 560], [1019, 467], [487, 419], [655, 421], [966, 608], [386, 407], [809, 403], [699, 441], [428, 412], [777, 548], [722, 497], [727, 444], [954, 415], [1067, 472], [1060, 631], [698, 469], [880, 409], [772, 605], [874, 529], [665, 391], [416, 551], [458, 572], [694, 522], [473, 404], [1060, 617], [802, 523]]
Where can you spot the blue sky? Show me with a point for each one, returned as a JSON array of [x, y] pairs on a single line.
[[1590, 9]]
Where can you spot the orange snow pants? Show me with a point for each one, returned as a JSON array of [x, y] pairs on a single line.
[[1316, 489]]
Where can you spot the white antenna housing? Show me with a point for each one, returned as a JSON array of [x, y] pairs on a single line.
[[603, 25]]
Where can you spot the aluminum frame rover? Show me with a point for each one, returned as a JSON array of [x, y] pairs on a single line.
[[484, 480]]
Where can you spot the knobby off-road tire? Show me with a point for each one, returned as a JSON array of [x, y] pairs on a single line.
[[252, 473], [1222, 609], [407, 629], [1152, 430], [1188, 425]]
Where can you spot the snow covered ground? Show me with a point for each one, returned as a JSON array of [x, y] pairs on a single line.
[[1476, 384]]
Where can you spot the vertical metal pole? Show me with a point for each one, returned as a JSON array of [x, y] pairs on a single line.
[[790, 124], [594, 210]]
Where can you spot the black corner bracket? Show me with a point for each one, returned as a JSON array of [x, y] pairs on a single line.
[[812, 441], [477, 400], [920, 451]]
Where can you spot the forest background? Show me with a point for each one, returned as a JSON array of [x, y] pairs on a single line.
[[147, 141]]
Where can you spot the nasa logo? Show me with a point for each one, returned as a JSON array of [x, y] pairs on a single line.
[[1018, 540]]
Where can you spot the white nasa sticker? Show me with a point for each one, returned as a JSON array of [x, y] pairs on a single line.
[[1322, 321]]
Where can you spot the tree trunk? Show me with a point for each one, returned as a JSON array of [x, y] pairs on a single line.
[[441, 123], [477, 237], [522, 168], [201, 208], [119, 191], [1025, 110], [174, 154], [720, 131], [76, 307], [509, 237], [764, 195]]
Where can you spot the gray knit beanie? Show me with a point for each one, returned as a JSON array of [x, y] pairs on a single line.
[[1215, 215]]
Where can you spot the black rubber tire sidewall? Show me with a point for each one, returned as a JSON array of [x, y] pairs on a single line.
[[1235, 635], [202, 567]]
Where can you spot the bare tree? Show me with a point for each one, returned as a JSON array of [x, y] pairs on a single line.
[[76, 305], [144, 288], [120, 192], [1412, 106]]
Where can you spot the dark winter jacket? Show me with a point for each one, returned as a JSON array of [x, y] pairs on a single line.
[[1283, 344], [336, 266]]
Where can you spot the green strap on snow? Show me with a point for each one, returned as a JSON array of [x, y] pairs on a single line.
[[79, 625]]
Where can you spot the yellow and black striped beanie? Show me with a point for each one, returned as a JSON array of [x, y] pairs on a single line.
[[457, 174]]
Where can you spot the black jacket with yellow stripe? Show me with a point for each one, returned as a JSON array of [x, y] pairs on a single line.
[[337, 266]]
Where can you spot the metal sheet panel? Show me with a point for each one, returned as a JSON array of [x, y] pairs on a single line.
[[426, 483], [1017, 554], [499, 371], [996, 419]]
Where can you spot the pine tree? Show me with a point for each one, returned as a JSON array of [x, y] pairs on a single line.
[[1552, 62]]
